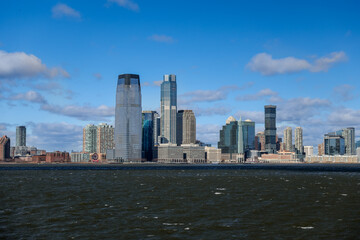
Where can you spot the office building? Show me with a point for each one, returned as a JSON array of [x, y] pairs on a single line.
[[128, 135], [105, 138], [4, 148], [261, 141], [288, 139], [186, 127], [90, 138], [168, 109], [349, 136], [20, 136], [334, 144], [246, 135], [270, 128], [299, 146], [309, 150], [149, 126], [228, 137]]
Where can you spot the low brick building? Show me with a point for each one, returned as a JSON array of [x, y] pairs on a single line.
[[58, 157]]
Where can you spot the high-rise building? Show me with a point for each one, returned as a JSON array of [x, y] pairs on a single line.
[[334, 144], [299, 146], [4, 148], [89, 138], [237, 136], [309, 150], [228, 136], [105, 138], [128, 136], [168, 109], [261, 137], [157, 129], [270, 128], [149, 126], [20, 136], [288, 139], [246, 135], [186, 127], [349, 137]]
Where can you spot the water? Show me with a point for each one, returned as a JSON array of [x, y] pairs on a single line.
[[179, 204]]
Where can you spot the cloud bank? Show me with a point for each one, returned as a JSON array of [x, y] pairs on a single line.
[[22, 65], [267, 66], [62, 10]]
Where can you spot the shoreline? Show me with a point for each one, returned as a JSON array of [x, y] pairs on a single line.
[[306, 167]]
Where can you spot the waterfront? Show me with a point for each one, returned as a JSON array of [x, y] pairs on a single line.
[[179, 204]]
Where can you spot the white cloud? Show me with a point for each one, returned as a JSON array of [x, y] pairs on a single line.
[[161, 38], [55, 136], [62, 10], [324, 63], [208, 133], [259, 95], [22, 65], [126, 4], [30, 96], [100, 113], [206, 95], [266, 65]]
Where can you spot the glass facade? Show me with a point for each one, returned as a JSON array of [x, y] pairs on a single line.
[[270, 128], [168, 109], [89, 138], [128, 129], [149, 134], [229, 138], [334, 145], [20, 136]]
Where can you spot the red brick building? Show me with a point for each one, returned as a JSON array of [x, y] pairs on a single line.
[[57, 157]]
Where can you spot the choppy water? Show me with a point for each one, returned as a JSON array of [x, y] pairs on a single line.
[[179, 204]]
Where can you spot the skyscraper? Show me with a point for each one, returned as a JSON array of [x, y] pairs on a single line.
[[127, 136], [288, 139], [246, 135], [89, 138], [149, 126], [228, 136], [261, 140], [299, 146], [270, 128], [186, 127], [105, 138], [20, 136], [168, 109], [349, 137], [4, 148]]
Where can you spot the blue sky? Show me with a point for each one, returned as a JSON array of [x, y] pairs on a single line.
[[59, 62]]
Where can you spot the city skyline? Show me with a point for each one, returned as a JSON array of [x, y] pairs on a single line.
[[306, 65]]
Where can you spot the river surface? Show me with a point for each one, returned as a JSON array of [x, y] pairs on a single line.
[[179, 204]]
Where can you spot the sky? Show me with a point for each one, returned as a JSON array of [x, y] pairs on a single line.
[[59, 62]]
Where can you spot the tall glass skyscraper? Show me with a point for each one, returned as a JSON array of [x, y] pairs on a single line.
[[20, 136], [299, 146], [149, 136], [89, 138], [270, 128], [168, 109], [128, 128]]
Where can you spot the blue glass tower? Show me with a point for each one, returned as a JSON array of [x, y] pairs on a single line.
[[168, 109]]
